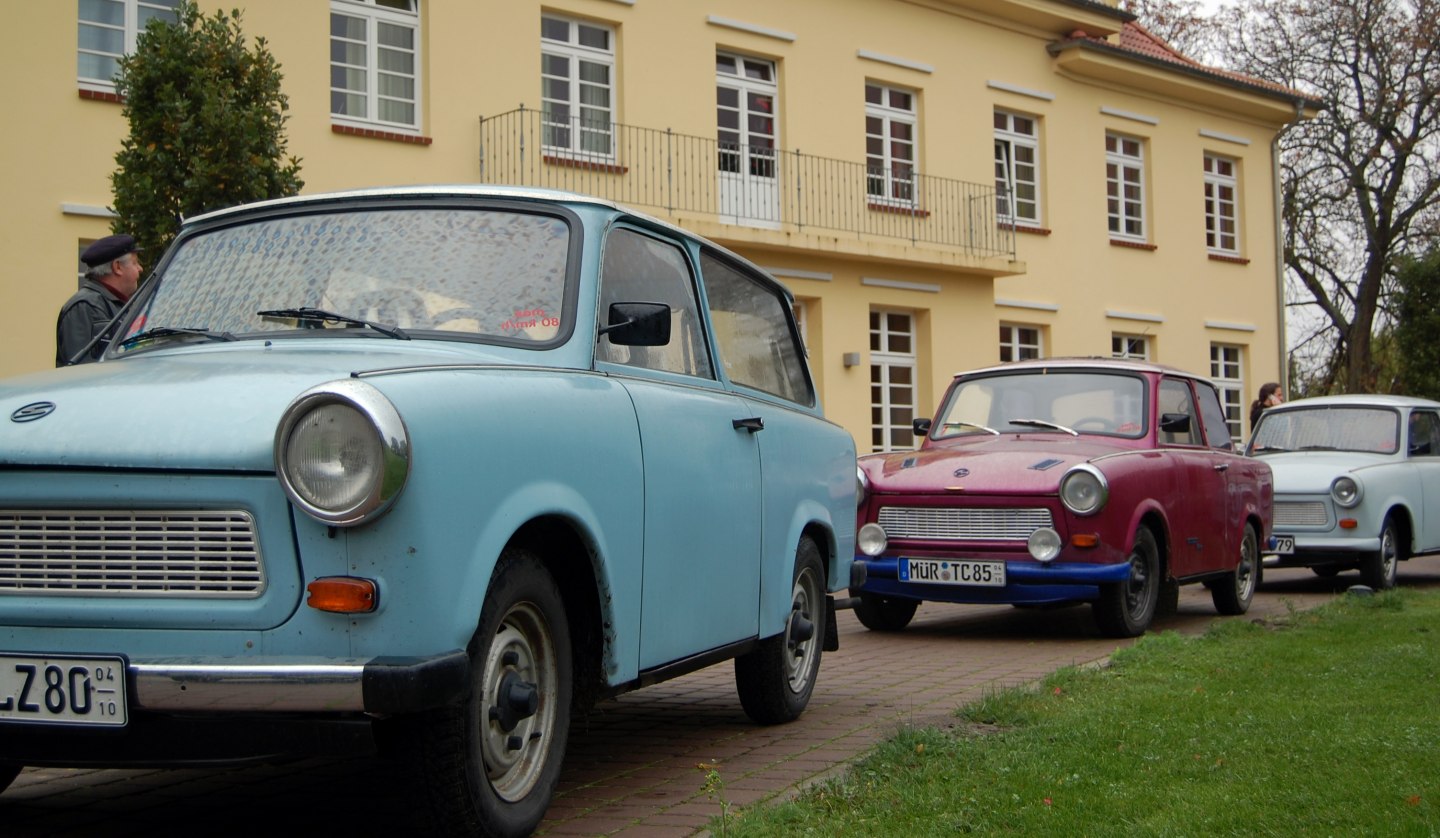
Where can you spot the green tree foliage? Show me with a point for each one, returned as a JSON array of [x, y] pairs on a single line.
[[1416, 334], [206, 119]]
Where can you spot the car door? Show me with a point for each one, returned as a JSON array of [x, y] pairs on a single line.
[[1239, 473], [1423, 453], [1196, 507], [701, 578]]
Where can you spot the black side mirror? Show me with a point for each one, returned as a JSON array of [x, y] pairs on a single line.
[[920, 426], [1175, 423], [638, 324]]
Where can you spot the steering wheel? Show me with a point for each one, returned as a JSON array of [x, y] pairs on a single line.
[[399, 306], [452, 314], [1097, 423]]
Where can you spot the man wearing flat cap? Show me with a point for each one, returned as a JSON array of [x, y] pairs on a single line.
[[113, 275]]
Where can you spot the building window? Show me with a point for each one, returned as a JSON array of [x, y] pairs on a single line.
[[1017, 168], [1132, 347], [577, 72], [1017, 343], [745, 94], [1225, 371], [375, 62], [1221, 185], [892, 381], [890, 144], [1125, 187], [108, 30]]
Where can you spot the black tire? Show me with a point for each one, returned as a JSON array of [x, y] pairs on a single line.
[[8, 773], [1125, 609], [1232, 595], [885, 613], [487, 766], [776, 679], [1326, 571], [1378, 569]]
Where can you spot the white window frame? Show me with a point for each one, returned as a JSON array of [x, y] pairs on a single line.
[[894, 188], [1227, 370], [1222, 176], [586, 138], [884, 360], [754, 81], [1129, 347], [1013, 339], [1009, 138], [375, 16], [1125, 167], [130, 26]]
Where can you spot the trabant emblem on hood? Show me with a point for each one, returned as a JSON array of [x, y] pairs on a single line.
[[962, 472], [33, 411]]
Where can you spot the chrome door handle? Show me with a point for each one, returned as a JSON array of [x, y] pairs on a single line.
[[753, 424], [1223, 467]]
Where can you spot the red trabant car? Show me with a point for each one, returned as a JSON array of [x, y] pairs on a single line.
[[1064, 480]]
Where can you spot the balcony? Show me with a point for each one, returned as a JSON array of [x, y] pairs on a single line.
[[755, 195]]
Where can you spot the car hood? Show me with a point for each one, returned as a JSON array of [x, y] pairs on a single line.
[[212, 408], [995, 465], [1301, 472]]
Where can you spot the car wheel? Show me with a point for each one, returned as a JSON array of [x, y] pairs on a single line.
[[489, 765], [8, 773], [1378, 569], [1232, 595], [776, 679], [1125, 609], [885, 613]]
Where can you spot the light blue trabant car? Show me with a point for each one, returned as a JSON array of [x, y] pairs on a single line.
[[416, 472], [1357, 483]]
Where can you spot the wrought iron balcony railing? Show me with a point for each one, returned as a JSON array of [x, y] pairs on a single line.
[[752, 186]]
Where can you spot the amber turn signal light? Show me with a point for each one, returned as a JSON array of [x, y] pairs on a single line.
[[1085, 539], [1348, 523], [343, 595]]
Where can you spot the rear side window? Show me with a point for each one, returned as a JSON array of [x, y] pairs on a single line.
[[751, 319]]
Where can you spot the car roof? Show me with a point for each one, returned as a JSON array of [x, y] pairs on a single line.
[[1082, 364], [1356, 400]]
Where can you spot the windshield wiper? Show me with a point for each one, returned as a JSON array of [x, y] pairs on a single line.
[[985, 428], [320, 315], [173, 331], [1268, 448], [1041, 423]]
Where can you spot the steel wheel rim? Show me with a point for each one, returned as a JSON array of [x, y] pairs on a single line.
[[800, 654], [1139, 580], [523, 646], [1388, 554], [1245, 572]]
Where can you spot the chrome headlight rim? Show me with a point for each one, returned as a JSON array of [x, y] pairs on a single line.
[[1085, 471], [1346, 491], [390, 436], [862, 486]]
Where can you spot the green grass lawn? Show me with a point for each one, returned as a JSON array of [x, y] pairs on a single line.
[[1325, 722]]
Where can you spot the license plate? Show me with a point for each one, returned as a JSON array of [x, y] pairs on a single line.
[[63, 690], [950, 572], [1282, 545]]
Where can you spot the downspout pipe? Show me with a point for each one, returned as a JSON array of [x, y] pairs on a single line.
[[1279, 223]]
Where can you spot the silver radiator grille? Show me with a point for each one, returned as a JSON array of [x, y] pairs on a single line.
[[1301, 514], [150, 553], [963, 524]]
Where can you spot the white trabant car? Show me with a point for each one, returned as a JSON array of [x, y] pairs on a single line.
[[1357, 483]]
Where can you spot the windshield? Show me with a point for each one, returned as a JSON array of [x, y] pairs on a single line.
[[1370, 429], [485, 273], [1044, 402]]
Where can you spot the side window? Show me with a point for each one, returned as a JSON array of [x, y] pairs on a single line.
[[639, 269], [1424, 434], [1217, 430], [758, 348], [1174, 401]]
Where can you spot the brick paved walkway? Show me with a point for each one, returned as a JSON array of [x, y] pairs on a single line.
[[631, 769]]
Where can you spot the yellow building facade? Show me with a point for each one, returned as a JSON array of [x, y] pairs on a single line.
[[942, 183]]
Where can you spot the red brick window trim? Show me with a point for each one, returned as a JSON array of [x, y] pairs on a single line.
[[1026, 228], [102, 96], [1234, 260], [371, 133], [899, 210], [587, 165], [1133, 245]]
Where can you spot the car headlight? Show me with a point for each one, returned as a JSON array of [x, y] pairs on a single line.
[[1346, 491], [1083, 490], [871, 540], [862, 487], [342, 452]]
